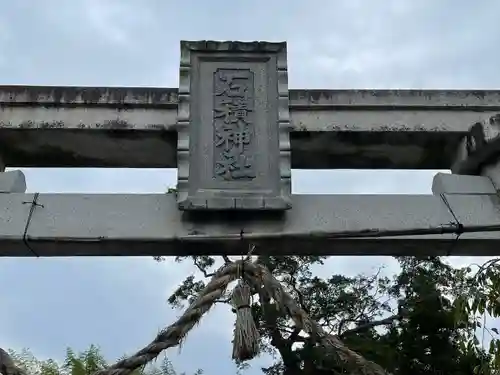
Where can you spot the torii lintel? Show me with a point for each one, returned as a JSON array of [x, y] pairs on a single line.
[[234, 131]]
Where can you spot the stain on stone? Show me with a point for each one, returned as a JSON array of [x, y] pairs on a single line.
[[195, 232], [90, 95], [48, 95], [478, 94], [155, 127], [34, 125], [51, 125], [68, 95], [122, 96], [34, 94], [27, 124], [495, 120], [117, 124], [57, 95]]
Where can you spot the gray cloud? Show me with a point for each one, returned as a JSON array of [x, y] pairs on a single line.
[[332, 44], [120, 303]]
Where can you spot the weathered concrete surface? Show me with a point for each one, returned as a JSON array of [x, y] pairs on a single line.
[[479, 148], [331, 128], [132, 225], [12, 182], [479, 151], [462, 184]]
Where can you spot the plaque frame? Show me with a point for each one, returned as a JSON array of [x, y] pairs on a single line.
[[197, 188]]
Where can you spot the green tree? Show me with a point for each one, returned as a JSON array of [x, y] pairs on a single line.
[[83, 363], [407, 323], [427, 340], [480, 300]]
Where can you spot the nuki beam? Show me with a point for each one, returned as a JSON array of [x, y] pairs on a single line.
[[140, 225]]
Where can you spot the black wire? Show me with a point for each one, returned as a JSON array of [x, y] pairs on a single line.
[[460, 227], [34, 204], [448, 228]]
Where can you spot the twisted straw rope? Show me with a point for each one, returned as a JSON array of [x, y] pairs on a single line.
[[257, 275], [175, 333], [285, 301]]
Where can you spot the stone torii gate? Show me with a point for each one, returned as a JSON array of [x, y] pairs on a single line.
[[234, 130]]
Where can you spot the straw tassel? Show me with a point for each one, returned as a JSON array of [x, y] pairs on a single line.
[[246, 336]]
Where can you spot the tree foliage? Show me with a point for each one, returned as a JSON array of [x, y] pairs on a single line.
[[421, 321], [478, 303], [84, 363]]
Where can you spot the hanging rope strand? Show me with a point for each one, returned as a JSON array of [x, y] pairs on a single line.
[[246, 337]]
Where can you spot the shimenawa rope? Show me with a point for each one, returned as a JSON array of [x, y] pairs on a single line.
[[246, 340]]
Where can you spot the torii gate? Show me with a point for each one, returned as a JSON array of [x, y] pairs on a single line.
[[234, 131]]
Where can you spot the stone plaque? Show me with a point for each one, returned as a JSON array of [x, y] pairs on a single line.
[[233, 127]]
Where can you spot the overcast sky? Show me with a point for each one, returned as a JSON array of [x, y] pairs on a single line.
[[119, 304]]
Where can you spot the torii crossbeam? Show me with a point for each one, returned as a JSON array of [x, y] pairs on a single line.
[[234, 131]]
